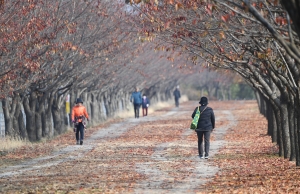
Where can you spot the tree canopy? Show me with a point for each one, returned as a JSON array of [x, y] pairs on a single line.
[[257, 39]]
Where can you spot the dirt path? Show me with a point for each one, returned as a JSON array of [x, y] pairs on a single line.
[[153, 154]]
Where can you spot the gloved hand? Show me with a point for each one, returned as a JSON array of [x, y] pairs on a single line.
[[147, 105]]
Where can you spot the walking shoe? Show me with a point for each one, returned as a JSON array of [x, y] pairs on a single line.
[[77, 142], [201, 157], [206, 157], [81, 142]]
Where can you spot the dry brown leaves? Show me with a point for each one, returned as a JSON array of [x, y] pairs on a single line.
[[250, 162]]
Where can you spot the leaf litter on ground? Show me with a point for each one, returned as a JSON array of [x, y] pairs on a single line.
[[250, 163]]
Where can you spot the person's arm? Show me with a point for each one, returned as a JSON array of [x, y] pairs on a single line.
[[193, 115], [213, 119], [131, 97]]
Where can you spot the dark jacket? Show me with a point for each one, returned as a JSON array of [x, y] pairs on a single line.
[[176, 93], [206, 121], [136, 98], [145, 102]]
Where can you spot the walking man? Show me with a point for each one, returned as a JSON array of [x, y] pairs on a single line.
[[136, 99], [177, 95], [79, 114]]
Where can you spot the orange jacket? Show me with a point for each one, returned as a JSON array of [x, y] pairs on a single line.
[[78, 111]]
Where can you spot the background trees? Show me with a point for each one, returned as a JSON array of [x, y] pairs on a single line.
[[96, 50], [256, 39], [55, 50]]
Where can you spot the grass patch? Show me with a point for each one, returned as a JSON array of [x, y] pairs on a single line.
[[8, 144]]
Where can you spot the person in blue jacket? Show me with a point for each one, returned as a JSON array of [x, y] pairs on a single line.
[[145, 105], [136, 99]]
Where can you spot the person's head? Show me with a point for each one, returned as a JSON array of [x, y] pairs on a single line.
[[136, 89], [177, 87], [79, 101], [203, 101], [144, 95]]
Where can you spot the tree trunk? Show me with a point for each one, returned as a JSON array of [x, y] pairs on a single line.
[[95, 109], [9, 108], [102, 115], [21, 123], [285, 130], [279, 131], [29, 105], [17, 123], [72, 103], [297, 135], [46, 118], [38, 125], [106, 104], [270, 120], [58, 115], [47, 125], [297, 125], [274, 127], [291, 117]]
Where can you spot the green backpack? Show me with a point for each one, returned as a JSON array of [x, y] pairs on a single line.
[[195, 120]]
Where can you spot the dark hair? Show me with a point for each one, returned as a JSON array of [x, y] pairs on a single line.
[[78, 100]]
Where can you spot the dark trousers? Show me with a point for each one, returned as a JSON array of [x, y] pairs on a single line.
[[206, 136], [145, 111], [80, 129], [136, 110], [176, 102]]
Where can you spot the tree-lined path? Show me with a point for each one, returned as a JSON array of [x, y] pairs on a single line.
[[54, 52], [154, 154]]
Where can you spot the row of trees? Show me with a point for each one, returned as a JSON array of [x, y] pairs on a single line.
[[88, 49], [258, 39], [217, 85]]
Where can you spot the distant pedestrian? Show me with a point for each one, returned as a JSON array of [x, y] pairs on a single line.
[[79, 114], [206, 124], [145, 105], [136, 99], [177, 95]]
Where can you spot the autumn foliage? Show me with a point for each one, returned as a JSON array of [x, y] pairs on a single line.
[[245, 37], [56, 50]]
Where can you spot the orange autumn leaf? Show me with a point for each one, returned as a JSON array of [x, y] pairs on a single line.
[[225, 18]]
